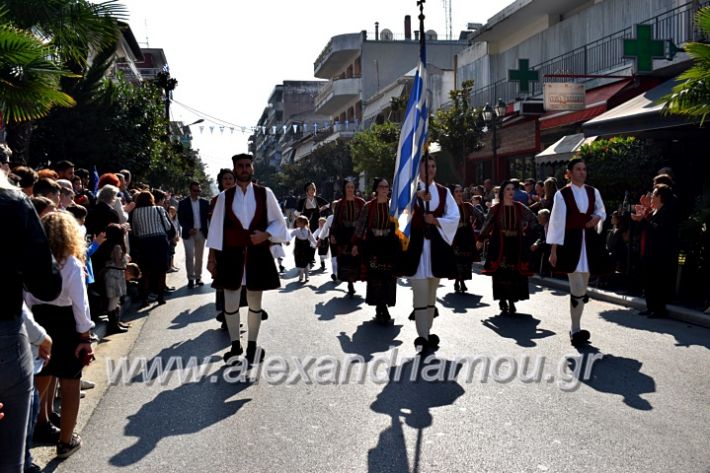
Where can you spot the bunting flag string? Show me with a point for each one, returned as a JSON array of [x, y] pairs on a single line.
[[273, 129]]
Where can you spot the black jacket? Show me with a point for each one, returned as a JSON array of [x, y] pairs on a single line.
[[185, 216], [99, 217], [27, 260]]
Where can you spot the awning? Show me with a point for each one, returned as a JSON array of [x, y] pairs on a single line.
[[563, 149], [595, 101], [642, 113]]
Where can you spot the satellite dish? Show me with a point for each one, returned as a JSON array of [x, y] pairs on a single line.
[[386, 35], [431, 35]]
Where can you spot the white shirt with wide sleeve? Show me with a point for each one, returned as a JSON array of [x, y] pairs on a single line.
[[244, 207], [448, 224], [73, 294], [558, 220]]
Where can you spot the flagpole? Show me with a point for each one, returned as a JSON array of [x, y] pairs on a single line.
[[422, 45]]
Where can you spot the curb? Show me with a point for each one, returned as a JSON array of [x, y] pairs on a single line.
[[676, 312]]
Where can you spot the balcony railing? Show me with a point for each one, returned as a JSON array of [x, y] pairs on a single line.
[[339, 90], [598, 57]]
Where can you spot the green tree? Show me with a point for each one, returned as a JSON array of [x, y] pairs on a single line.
[[458, 128], [692, 96], [374, 151], [619, 165], [327, 166], [29, 77]]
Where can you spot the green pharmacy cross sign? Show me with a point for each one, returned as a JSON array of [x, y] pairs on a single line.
[[523, 75], [645, 49]]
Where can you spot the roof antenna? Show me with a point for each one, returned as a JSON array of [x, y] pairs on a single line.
[[147, 41]]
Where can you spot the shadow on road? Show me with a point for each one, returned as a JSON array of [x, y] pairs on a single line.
[[460, 303], [523, 328], [186, 317], [684, 334], [192, 352], [337, 306], [615, 375], [414, 388], [370, 338], [180, 411]]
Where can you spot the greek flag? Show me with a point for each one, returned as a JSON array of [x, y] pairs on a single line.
[[409, 153]]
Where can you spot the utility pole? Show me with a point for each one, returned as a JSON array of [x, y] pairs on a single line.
[[167, 84]]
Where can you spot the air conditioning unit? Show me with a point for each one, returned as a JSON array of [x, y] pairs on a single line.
[[529, 107]]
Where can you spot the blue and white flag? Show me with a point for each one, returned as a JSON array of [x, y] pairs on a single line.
[[409, 152]]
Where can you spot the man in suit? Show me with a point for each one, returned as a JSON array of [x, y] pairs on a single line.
[[192, 215]]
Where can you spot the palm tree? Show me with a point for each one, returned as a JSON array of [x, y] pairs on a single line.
[[29, 78], [692, 96]]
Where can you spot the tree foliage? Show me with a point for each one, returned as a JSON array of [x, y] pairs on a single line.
[[692, 96], [327, 166], [619, 165], [29, 77], [458, 128], [374, 151]]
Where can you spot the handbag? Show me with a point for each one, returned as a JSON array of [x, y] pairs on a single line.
[[170, 230]]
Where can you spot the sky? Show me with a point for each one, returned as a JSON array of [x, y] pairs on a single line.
[[229, 55]]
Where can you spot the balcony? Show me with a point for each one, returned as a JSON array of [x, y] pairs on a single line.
[[337, 94], [340, 51], [602, 56]]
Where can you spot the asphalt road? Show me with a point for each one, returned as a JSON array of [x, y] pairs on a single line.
[[644, 407]]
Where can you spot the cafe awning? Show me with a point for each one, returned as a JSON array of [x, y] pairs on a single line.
[[565, 148], [642, 113]]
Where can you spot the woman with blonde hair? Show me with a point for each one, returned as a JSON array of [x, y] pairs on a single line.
[[68, 321]]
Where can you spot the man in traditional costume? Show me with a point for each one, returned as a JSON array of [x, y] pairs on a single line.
[[245, 221], [429, 256], [577, 248]]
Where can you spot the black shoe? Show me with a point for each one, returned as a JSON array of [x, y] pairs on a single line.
[[65, 450], [264, 315], [252, 350], [322, 266], [334, 277], [114, 328], [456, 286], [503, 307], [190, 284], [199, 283], [512, 307], [46, 433], [233, 352], [645, 312], [161, 301], [420, 343], [220, 317], [32, 468], [169, 289], [351, 290], [579, 338], [433, 342], [463, 287], [281, 268]]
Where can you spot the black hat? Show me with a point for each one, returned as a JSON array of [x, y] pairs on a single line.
[[239, 157]]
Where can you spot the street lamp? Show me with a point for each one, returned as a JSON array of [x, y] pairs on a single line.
[[491, 116], [196, 122]]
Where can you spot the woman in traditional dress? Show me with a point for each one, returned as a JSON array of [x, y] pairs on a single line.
[[464, 245], [508, 228], [376, 240], [313, 207], [345, 214]]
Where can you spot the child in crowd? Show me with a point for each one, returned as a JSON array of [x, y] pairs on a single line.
[[304, 242], [111, 259], [323, 242], [172, 213], [68, 323]]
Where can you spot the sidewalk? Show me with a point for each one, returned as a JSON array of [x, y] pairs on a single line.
[[683, 314]]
